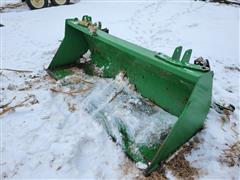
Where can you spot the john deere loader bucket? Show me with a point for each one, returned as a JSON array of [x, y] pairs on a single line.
[[179, 88]]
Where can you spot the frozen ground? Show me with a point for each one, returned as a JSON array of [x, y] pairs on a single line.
[[50, 137]]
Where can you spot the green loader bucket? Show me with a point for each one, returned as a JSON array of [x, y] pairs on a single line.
[[179, 88]]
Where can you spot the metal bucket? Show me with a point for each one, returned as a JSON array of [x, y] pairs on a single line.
[[181, 89]]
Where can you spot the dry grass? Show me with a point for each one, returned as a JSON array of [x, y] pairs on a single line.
[[225, 117], [71, 107], [30, 100], [231, 155], [71, 92], [16, 70]]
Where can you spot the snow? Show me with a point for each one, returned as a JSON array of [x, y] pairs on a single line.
[[116, 102], [47, 140], [55, 142]]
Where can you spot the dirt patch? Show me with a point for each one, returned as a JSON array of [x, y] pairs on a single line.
[[128, 168], [155, 176], [231, 155], [179, 166]]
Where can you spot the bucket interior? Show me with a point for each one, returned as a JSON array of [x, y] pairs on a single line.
[[133, 121]]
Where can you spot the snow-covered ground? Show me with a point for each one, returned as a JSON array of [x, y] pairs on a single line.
[[51, 137]]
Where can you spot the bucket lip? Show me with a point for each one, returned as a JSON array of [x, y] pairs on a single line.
[[187, 71]]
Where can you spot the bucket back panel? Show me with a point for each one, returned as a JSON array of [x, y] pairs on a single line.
[[164, 88]]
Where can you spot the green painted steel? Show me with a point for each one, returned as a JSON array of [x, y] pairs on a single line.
[[178, 87]]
